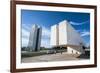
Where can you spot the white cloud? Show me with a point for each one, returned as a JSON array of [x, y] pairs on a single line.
[[45, 43], [25, 33], [85, 33], [75, 23], [45, 37], [26, 27], [45, 32], [25, 36], [24, 42]]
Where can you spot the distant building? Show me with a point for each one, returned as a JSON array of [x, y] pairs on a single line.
[[65, 36], [35, 38]]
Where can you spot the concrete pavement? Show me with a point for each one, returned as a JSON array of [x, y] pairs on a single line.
[[51, 57]]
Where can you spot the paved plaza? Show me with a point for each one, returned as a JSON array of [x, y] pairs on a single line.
[[51, 57]]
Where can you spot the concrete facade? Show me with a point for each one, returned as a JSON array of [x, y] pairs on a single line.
[[54, 35], [67, 37], [39, 38], [62, 33], [35, 38]]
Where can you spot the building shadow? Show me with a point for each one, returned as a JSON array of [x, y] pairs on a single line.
[[85, 56]]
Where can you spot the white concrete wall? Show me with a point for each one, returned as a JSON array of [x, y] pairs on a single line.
[[54, 35], [68, 35], [75, 50], [73, 37], [62, 33]]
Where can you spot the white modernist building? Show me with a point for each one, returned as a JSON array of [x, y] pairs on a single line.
[[64, 35], [35, 38]]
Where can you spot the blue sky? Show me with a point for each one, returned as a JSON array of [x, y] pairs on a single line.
[[45, 19]]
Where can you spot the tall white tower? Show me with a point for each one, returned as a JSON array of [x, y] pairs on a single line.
[[35, 38]]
